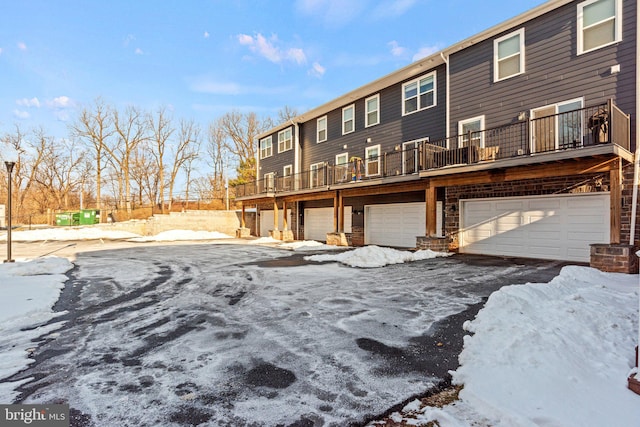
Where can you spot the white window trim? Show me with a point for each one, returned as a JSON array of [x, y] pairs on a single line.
[[284, 170], [353, 119], [326, 127], [556, 105], [269, 177], [263, 150], [580, 29], [345, 155], [315, 167], [496, 60], [367, 161], [281, 142], [344, 175], [366, 111], [461, 123], [417, 80]]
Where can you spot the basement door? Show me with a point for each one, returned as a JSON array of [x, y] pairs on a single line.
[[397, 224], [266, 221], [319, 221], [557, 227]]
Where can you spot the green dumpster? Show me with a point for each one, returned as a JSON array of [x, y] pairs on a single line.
[[89, 216], [68, 218]]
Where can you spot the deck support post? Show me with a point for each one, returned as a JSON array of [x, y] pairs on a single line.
[[430, 200], [615, 181]]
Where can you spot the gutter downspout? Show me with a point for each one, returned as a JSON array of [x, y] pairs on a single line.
[[447, 106]]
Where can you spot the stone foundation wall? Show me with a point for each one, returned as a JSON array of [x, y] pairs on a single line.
[[614, 258]]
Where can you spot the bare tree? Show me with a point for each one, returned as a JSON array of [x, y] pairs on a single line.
[[131, 129], [186, 149], [218, 155], [161, 130], [95, 127], [286, 114], [241, 131]]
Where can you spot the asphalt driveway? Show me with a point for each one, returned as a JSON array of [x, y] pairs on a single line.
[[239, 335]]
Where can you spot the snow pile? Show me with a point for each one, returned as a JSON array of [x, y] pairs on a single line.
[[376, 256], [555, 354], [309, 245], [264, 241], [177, 235], [29, 290], [67, 233]]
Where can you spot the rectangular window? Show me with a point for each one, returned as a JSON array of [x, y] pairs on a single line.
[[341, 169], [599, 24], [508, 55], [316, 175], [284, 140], [348, 119], [321, 129], [372, 160], [471, 127], [266, 148], [286, 177], [557, 126], [419, 94], [372, 113]]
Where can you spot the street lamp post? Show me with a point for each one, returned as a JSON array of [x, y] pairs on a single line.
[[9, 166]]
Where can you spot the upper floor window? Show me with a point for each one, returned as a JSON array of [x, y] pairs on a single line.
[[419, 94], [508, 55], [269, 181], [284, 140], [286, 177], [348, 119], [321, 129], [372, 113], [599, 24], [266, 147]]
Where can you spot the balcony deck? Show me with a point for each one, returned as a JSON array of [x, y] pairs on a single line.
[[597, 131]]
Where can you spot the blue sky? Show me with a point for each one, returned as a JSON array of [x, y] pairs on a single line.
[[207, 57]]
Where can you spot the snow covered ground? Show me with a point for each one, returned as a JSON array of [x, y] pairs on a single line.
[[554, 354]]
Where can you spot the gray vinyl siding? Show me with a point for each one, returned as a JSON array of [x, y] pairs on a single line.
[[393, 129], [553, 71], [277, 161]]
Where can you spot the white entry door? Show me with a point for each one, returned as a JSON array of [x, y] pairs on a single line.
[[557, 227], [319, 221]]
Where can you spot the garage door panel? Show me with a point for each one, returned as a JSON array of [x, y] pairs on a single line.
[[395, 224], [551, 227], [266, 221], [319, 221]]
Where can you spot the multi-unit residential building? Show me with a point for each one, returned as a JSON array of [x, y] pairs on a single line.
[[518, 141]]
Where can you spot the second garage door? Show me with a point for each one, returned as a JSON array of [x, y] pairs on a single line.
[[546, 227], [397, 224], [319, 221]]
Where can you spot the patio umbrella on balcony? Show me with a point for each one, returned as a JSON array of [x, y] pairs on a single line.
[[356, 168]]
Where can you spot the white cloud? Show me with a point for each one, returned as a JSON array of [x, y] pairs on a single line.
[[269, 49], [22, 115], [425, 51], [60, 102], [128, 39], [22, 46], [392, 8], [25, 102], [333, 13], [297, 55], [61, 115], [138, 51], [317, 70], [206, 34], [396, 49]]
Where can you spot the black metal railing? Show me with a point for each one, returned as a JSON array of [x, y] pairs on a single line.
[[584, 127]]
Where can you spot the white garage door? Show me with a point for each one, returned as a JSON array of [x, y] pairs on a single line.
[[546, 227], [319, 221], [397, 224], [266, 221]]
